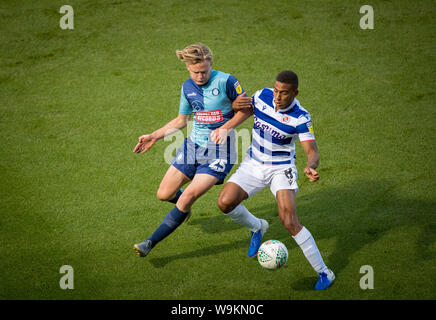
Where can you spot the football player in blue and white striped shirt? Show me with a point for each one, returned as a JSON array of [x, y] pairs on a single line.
[[279, 121]]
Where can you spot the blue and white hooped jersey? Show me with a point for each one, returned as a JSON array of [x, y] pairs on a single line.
[[275, 132], [210, 103]]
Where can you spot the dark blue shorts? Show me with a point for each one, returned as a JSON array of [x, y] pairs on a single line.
[[192, 159]]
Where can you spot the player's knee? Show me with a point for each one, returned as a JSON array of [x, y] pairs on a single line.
[[225, 203], [224, 206], [163, 195]]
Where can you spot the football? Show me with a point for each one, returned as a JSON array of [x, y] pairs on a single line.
[[272, 254]]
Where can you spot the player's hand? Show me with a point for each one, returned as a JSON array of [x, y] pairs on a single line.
[[242, 102], [311, 174], [218, 136], [145, 142]]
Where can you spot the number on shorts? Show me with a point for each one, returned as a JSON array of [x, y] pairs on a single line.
[[218, 165], [289, 175]]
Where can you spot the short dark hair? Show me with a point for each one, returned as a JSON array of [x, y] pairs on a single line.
[[288, 77]]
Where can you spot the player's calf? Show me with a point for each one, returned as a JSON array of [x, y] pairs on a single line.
[[289, 219]]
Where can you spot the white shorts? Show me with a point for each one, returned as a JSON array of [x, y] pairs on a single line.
[[252, 177]]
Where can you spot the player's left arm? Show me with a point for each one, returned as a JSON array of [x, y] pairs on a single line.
[[311, 150], [242, 102], [241, 113], [242, 106]]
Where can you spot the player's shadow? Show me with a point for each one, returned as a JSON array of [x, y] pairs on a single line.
[[218, 223], [352, 217], [215, 224], [360, 214], [207, 251]]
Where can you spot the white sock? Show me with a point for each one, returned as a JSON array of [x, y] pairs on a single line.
[[307, 244], [242, 216]]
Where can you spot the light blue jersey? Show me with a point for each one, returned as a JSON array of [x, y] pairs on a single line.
[[210, 103]]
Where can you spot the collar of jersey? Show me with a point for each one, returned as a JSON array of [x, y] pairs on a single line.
[[287, 109]]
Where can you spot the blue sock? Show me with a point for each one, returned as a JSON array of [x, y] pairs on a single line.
[[172, 220], [178, 194]]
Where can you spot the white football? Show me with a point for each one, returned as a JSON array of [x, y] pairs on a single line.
[[272, 254]]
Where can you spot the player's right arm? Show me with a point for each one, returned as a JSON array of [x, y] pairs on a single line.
[[146, 141], [242, 102]]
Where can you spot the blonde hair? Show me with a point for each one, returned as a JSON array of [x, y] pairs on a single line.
[[195, 53]]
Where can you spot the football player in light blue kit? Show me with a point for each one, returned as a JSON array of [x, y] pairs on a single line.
[[208, 95]]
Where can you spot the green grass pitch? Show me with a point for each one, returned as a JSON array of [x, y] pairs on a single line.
[[73, 103]]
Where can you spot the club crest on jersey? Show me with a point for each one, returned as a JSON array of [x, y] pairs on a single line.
[[215, 91], [286, 119]]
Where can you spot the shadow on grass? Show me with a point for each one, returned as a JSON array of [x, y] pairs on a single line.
[[304, 284], [355, 216], [209, 251], [218, 224], [215, 224], [358, 215]]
